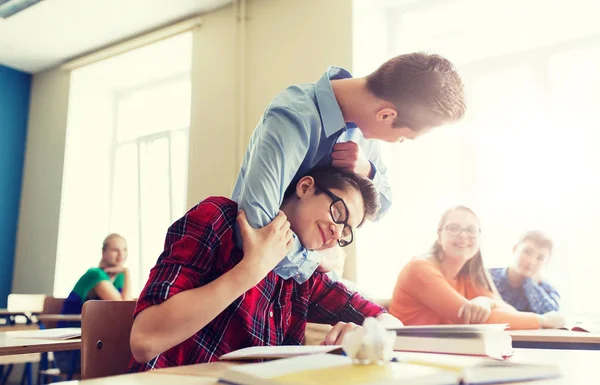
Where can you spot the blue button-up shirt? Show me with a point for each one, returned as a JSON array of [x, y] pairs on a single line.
[[530, 296], [295, 134]]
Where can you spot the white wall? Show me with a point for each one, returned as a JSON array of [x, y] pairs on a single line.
[[286, 42], [35, 255], [212, 158]]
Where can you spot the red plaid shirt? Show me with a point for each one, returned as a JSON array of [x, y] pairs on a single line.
[[199, 248]]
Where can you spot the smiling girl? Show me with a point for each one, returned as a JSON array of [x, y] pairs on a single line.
[[449, 285]]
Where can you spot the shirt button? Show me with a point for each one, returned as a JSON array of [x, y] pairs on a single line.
[[271, 314]]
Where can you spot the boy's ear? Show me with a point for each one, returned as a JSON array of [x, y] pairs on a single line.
[[304, 185], [387, 113]]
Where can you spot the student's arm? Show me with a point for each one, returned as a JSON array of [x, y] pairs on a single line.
[[126, 290], [106, 290], [379, 177], [363, 157], [97, 284], [431, 288], [542, 298], [272, 160], [180, 297]]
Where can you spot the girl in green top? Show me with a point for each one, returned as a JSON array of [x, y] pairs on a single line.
[[109, 281]]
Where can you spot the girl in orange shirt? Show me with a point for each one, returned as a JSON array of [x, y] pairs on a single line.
[[450, 285]]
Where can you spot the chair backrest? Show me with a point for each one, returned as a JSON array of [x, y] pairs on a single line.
[[26, 302], [105, 330], [52, 305]]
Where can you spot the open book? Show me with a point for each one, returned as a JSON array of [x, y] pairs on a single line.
[[49, 334], [583, 327], [478, 340], [335, 369], [274, 352]]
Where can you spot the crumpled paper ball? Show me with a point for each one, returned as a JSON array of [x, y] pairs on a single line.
[[371, 344]]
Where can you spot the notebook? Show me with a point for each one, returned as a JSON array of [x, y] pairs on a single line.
[[478, 340], [275, 352], [335, 369]]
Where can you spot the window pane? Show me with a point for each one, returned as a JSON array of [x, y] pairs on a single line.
[[153, 109], [491, 28], [155, 200], [124, 218], [426, 177], [179, 167]]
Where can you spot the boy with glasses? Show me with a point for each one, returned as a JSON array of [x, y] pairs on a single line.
[[206, 297]]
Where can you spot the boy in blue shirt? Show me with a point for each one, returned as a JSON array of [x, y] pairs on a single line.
[[339, 121], [521, 284]]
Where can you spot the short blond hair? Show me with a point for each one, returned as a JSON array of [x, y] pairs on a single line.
[[109, 238]]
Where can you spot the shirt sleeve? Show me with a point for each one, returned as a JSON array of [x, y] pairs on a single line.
[[504, 313], [428, 285], [542, 298], [331, 302], [272, 160], [380, 178], [89, 280], [189, 259]]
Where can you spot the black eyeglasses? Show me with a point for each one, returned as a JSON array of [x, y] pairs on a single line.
[[339, 213], [455, 230]]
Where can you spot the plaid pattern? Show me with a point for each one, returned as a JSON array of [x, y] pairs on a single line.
[[529, 297], [200, 248]]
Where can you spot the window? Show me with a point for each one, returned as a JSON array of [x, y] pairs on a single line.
[[148, 168], [126, 158], [523, 156]]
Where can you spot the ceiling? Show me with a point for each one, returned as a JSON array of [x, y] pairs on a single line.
[[53, 31]]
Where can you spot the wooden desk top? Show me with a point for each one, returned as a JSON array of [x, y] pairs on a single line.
[[25, 342], [59, 317], [213, 369], [579, 367], [9, 346], [6, 312], [148, 378], [554, 336]]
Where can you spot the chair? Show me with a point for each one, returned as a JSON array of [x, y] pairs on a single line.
[[28, 304], [105, 330], [52, 305], [47, 369]]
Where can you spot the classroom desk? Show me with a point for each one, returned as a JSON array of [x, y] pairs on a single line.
[[554, 339], [59, 317], [578, 368], [148, 378], [11, 344], [10, 315]]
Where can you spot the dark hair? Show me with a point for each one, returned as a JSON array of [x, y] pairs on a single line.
[[425, 89], [539, 238], [473, 268], [330, 177]]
